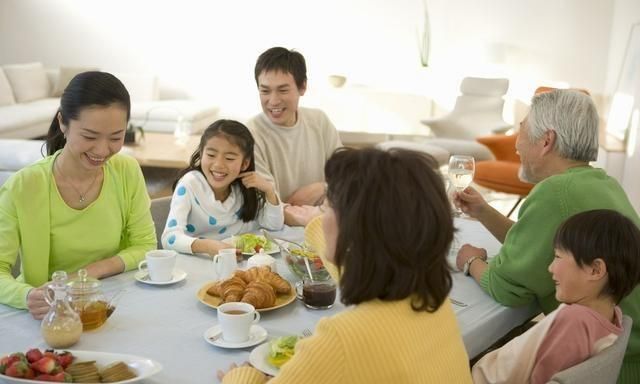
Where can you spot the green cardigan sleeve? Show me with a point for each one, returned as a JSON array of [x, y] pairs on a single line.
[[139, 234], [518, 274], [12, 292]]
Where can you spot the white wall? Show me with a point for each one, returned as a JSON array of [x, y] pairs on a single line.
[[626, 13], [210, 47]]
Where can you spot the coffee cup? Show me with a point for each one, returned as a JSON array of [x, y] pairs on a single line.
[[316, 294], [159, 264], [235, 320], [225, 263]]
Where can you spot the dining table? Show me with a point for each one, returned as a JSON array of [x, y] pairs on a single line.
[[167, 323]]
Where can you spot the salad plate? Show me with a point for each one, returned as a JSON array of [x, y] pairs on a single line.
[[258, 358], [249, 241], [143, 367]]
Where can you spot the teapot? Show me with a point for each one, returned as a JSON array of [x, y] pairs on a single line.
[[262, 259], [88, 301]]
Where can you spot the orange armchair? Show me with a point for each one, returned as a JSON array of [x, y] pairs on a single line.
[[501, 174]]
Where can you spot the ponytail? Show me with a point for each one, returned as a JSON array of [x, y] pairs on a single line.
[[55, 137]]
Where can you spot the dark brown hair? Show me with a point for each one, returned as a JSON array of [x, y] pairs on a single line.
[[607, 235], [395, 226], [238, 134], [282, 60], [85, 90]]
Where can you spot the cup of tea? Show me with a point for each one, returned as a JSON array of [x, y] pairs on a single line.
[[316, 294], [159, 264], [225, 263], [235, 321]]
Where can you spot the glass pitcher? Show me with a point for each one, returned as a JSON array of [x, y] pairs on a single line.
[[61, 327], [88, 300]]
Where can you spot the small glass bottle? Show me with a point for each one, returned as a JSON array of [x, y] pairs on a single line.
[[61, 327]]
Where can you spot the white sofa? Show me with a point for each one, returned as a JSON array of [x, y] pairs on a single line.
[[29, 98]]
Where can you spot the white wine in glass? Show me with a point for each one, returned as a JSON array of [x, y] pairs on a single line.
[[461, 169]]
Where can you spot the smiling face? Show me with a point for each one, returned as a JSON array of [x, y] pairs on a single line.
[[574, 283], [95, 136], [222, 162], [279, 97]]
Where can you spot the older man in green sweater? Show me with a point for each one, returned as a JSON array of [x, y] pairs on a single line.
[[556, 142]]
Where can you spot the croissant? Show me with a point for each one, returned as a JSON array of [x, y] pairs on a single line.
[[232, 289], [259, 294], [215, 289], [265, 274]]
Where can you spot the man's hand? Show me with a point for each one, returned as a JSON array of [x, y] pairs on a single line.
[[470, 202], [300, 215], [468, 251], [311, 194]]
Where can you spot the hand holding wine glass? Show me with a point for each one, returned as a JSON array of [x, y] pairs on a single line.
[[461, 170]]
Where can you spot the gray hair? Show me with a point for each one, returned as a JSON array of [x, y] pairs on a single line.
[[573, 116]]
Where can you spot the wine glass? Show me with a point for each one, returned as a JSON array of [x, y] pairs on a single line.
[[461, 169]]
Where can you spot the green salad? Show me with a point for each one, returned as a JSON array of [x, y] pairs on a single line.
[[282, 350], [250, 243]]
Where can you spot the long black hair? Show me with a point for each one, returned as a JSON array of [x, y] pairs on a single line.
[[85, 90], [238, 134]]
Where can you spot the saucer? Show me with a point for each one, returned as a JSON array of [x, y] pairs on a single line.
[[178, 275], [257, 335]]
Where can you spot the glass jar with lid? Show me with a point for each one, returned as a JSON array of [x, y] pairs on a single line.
[[88, 300], [61, 327]]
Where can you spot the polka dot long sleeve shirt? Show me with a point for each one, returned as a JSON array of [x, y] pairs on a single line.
[[195, 213]]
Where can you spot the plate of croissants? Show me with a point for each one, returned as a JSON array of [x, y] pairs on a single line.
[[258, 286]]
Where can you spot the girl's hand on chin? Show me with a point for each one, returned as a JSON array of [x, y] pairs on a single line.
[[255, 180]]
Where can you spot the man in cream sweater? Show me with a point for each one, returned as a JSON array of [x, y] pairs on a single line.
[[292, 143]]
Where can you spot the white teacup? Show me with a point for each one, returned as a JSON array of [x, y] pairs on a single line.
[[235, 321], [159, 263], [225, 263]]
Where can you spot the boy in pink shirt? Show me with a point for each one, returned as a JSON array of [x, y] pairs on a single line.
[[597, 263]]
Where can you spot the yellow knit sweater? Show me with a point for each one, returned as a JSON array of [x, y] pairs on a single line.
[[375, 342]]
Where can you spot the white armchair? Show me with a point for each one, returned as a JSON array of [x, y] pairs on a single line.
[[477, 112]]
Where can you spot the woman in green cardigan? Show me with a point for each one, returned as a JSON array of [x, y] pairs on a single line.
[[82, 206]]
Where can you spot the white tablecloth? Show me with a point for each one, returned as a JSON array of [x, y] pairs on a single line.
[[166, 323]]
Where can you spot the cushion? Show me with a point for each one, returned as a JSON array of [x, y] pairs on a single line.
[[141, 87], [28, 81], [501, 176], [65, 76], [6, 93]]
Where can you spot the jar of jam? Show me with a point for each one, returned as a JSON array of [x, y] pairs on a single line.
[[61, 327], [88, 300]]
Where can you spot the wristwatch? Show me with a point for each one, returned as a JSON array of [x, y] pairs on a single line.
[[466, 268]]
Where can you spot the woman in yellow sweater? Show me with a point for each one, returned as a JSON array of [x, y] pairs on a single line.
[[388, 229]]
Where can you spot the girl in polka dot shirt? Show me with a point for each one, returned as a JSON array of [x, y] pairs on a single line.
[[219, 194]]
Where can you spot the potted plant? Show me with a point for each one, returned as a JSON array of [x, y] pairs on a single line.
[[130, 134]]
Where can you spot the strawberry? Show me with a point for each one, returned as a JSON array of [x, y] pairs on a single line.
[[45, 365], [61, 377], [50, 353], [65, 358], [30, 374], [17, 369], [34, 355], [4, 363]]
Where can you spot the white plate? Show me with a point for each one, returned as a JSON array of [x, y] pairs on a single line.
[[232, 241], [258, 358], [178, 275], [142, 366], [257, 335]]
